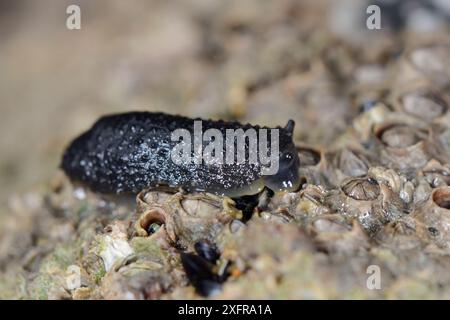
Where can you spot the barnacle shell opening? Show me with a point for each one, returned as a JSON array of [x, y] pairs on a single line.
[[309, 156], [156, 215], [441, 197], [424, 104], [362, 189]]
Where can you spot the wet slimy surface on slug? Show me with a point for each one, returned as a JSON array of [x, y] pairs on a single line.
[[125, 153]]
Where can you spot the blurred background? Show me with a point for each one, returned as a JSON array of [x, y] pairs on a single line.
[[252, 60]]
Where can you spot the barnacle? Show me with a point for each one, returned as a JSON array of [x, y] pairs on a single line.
[[432, 61], [435, 213], [423, 104], [183, 219], [312, 165], [351, 162], [402, 146], [362, 189]]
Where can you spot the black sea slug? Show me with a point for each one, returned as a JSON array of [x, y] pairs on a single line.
[[128, 152]]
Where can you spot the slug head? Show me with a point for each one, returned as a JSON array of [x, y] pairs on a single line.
[[287, 177]]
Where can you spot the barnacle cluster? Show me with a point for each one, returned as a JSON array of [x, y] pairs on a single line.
[[373, 138]]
